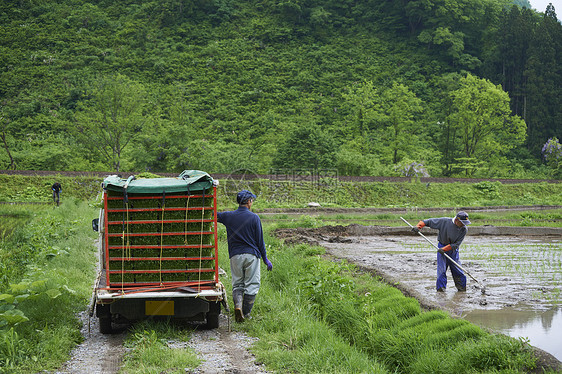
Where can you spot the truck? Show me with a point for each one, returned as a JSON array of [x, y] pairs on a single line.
[[158, 253]]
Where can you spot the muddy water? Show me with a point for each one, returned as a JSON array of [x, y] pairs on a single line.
[[542, 328], [522, 278]]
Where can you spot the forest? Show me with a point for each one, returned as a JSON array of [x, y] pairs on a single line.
[[365, 87]]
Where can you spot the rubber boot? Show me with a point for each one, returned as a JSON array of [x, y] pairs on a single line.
[[238, 297], [458, 284], [248, 305]]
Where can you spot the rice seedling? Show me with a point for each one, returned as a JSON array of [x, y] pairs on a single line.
[[422, 318]]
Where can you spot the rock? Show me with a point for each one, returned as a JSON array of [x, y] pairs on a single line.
[[314, 205]]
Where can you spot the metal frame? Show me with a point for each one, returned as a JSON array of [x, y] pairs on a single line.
[[203, 285]]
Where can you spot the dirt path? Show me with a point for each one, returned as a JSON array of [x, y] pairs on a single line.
[[224, 352], [219, 350], [98, 353]]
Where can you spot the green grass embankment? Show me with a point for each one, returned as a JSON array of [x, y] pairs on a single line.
[[316, 218], [311, 315], [275, 194], [37, 189], [406, 194]]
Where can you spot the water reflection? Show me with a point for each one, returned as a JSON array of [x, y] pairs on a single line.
[[543, 329]]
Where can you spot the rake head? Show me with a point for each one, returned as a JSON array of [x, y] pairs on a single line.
[[481, 288]]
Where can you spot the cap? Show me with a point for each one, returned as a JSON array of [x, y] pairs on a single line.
[[463, 217], [243, 197]]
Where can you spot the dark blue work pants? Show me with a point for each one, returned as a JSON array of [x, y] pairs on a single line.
[[443, 263]]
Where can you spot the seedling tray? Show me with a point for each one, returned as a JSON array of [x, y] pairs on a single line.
[[159, 239]]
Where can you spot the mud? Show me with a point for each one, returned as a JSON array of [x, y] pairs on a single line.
[[519, 267]]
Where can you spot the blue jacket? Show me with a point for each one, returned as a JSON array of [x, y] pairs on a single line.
[[449, 233], [244, 232]]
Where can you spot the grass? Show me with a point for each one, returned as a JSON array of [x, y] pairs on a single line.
[[311, 316], [410, 195], [12, 216], [292, 337], [49, 287], [151, 349], [37, 189]]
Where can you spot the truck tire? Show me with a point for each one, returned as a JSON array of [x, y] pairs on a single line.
[[213, 315], [105, 325], [104, 316]]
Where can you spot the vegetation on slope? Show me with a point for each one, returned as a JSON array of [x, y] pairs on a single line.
[[222, 85], [330, 193]]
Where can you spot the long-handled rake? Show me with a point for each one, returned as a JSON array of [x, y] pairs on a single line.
[[482, 288]]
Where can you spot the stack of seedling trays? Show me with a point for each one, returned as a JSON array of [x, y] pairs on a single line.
[[161, 232]]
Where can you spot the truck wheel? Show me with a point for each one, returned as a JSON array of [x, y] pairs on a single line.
[[104, 316], [105, 325], [213, 315]]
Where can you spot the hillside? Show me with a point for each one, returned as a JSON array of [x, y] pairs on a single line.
[[365, 87]]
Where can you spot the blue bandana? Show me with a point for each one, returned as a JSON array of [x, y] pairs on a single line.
[[243, 197]]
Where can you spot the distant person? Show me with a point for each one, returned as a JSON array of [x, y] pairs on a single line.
[[245, 248], [57, 188], [451, 234]]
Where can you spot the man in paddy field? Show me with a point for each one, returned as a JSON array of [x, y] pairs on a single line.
[[245, 248], [451, 234]]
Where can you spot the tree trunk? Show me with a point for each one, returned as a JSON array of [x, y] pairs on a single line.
[[12, 162]]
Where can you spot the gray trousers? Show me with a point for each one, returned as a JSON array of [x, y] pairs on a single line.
[[245, 269]]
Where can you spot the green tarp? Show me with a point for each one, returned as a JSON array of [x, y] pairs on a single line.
[[192, 180]]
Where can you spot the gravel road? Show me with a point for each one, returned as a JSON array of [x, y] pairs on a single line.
[[86, 357], [220, 351], [224, 352]]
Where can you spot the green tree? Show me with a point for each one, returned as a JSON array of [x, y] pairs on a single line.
[[306, 146], [544, 86], [111, 118], [386, 118], [482, 120], [4, 135], [396, 111], [360, 100], [514, 36]]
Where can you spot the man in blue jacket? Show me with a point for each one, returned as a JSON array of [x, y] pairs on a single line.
[[451, 234], [245, 248]]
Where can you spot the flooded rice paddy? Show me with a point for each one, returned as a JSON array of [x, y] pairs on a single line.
[[522, 277]]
